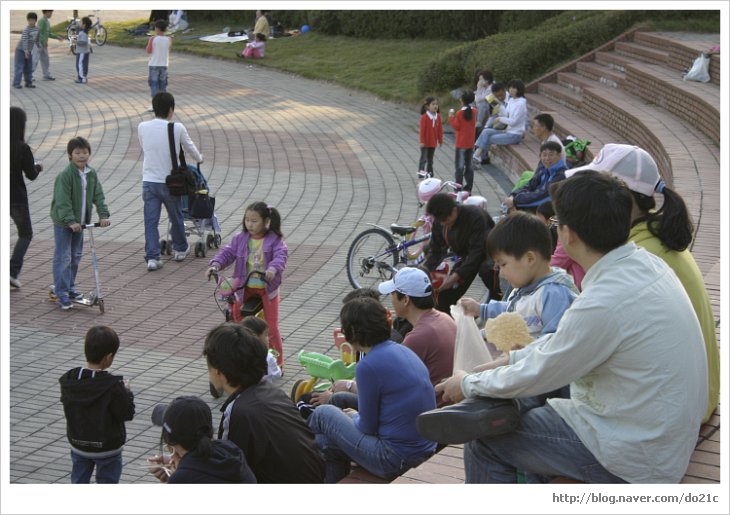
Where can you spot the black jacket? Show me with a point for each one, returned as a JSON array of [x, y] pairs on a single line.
[[227, 464], [277, 443], [19, 164], [467, 238], [96, 404]]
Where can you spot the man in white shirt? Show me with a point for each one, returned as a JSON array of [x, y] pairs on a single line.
[[630, 346], [156, 166]]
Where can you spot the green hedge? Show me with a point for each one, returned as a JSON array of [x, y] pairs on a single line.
[[369, 24], [525, 54]]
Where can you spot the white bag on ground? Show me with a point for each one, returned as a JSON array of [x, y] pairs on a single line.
[[471, 349], [700, 70]]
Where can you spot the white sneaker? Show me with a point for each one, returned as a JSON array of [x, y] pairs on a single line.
[[14, 282], [182, 254], [151, 110], [154, 264]]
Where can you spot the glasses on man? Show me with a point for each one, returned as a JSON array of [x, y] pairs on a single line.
[[553, 221]]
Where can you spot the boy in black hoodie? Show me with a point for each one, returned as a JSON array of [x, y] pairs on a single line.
[[96, 404]]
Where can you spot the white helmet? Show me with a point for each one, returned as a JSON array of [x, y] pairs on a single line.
[[427, 188], [476, 200]]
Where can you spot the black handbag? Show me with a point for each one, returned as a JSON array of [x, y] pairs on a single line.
[[201, 205], [181, 180]]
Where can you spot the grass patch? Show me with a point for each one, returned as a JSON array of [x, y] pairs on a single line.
[[386, 68]]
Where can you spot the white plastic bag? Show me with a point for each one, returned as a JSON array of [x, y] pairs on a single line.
[[700, 70], [471, 349]]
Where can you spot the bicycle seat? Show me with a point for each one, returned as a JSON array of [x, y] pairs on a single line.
[[402, 229]]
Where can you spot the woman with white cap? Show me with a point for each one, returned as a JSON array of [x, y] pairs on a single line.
[[665, 232]]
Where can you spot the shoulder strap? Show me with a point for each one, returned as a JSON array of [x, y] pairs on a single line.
[[173, 156], [171, 139]]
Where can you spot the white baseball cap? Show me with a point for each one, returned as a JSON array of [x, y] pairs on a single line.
[[627, 162], [413, 282]]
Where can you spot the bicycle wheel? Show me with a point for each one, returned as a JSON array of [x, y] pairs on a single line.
[[72, 31], [100, 35], [371, 259], [72, 45]]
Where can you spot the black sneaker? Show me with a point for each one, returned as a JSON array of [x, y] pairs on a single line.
[[30, 85], [305, 410], [469, 420]]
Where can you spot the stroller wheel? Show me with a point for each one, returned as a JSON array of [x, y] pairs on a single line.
[[199, 249], [217, 240], [169, 247], [163, 246], [209, 241]]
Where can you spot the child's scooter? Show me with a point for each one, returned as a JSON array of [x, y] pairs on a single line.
[[93, 298]]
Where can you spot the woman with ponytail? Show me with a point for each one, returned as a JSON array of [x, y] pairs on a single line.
[[667, 233], [194, 457]]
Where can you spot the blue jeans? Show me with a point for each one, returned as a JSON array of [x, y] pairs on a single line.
[[21, 216], [66, 258], [494, 137], [155, 195], [463, 167], [157, 79], [543, 447], [341, 442], [23, 67], [108, 470]]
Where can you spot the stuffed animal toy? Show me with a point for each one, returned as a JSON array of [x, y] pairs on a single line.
[[507, 330]]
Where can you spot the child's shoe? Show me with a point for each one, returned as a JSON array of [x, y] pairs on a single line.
[[74, 295], [64, 302]]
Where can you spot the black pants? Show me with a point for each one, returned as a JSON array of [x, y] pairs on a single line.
[[21, 216], [490, 278], [426, 161]]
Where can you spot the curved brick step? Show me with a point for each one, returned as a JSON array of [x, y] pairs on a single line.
[[682, 53]]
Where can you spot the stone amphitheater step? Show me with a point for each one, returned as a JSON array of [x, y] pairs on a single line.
[[603, 74], [572, 122], [683, 52], [642, 52], [570, 99], [695, 102]]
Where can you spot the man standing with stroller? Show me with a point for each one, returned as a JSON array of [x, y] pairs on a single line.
[[157, 165]]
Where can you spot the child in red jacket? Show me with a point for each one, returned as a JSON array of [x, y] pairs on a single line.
[[432, 135], [464, 123]]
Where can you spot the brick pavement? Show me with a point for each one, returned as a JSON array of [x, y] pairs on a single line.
[[328, 158]]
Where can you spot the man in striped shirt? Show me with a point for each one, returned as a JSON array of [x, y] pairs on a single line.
[[23, 52]]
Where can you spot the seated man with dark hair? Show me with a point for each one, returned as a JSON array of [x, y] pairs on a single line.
[[393, 389], [257, 416], [631, 348], [542, 129], [551, 169], [463, 229]]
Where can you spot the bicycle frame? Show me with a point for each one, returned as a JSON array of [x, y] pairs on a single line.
[[400, 249]]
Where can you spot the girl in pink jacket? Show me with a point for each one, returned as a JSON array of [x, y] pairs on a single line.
[[259, 247]]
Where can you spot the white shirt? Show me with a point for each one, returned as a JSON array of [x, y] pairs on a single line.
[[160, 55], [632, 350], [157, 162], [516, 117]]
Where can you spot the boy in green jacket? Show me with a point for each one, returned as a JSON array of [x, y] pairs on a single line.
[[75, 189], [44, 27]]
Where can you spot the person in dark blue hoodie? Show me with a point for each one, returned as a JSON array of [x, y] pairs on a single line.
[[551, 169], [187, 430]]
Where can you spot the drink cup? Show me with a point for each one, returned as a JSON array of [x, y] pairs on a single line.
[[38, 165]]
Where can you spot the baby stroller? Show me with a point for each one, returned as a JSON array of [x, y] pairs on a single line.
[[207, 229]]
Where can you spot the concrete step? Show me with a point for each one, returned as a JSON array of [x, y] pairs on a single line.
[[642, 52], [603, 74], [566, 97]]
